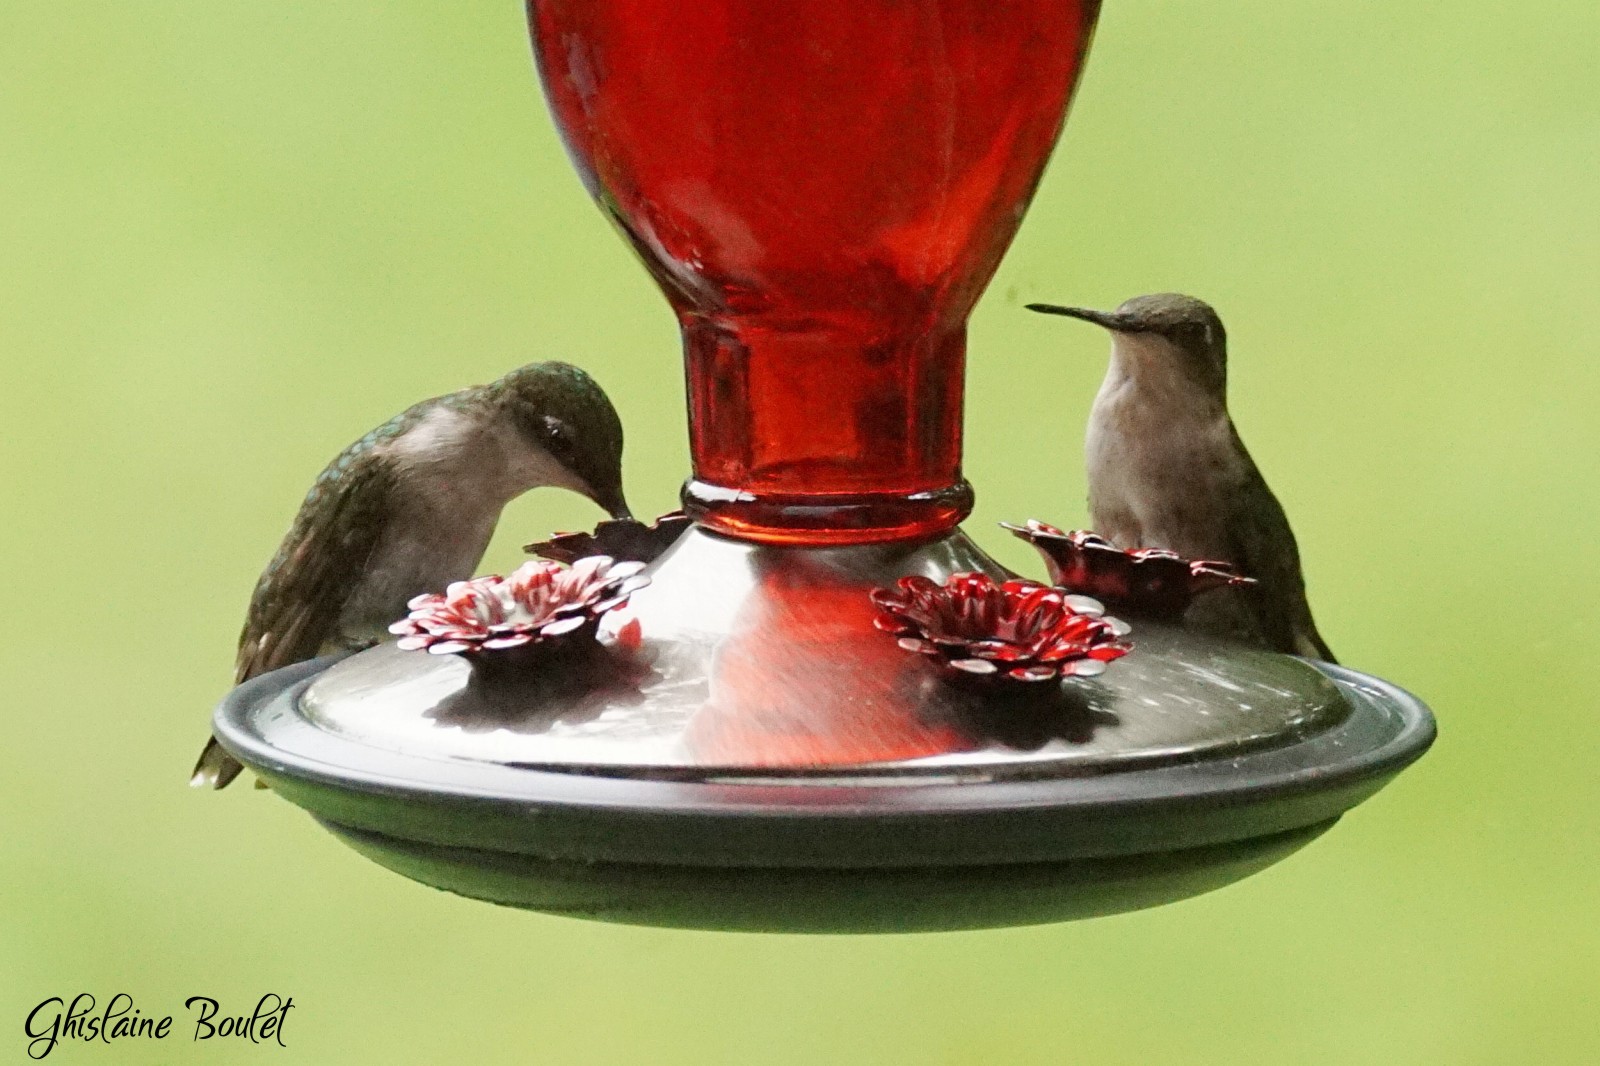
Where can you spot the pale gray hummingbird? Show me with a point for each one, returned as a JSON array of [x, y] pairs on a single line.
[[1167, 470], [411, 507]]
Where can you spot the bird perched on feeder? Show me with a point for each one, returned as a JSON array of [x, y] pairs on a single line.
[[1167, 469], [411, 507]]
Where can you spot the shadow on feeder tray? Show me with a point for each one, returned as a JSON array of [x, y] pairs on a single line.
[[566, 684], [1028, 718]]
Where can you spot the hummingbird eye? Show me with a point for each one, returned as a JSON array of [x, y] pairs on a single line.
[[557, 435]]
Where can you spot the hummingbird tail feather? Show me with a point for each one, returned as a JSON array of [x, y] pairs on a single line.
[[215, 768]]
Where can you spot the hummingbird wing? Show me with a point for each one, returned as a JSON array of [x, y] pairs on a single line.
[[299, 597], [1264, 548], [297, 603]]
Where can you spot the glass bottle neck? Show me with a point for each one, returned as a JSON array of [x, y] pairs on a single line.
[[831, 430]]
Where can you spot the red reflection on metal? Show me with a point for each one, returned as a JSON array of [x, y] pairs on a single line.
[[822, 188], [803, 683]]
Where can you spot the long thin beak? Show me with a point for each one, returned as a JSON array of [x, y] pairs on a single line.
[[616, 506], [1108, 319]]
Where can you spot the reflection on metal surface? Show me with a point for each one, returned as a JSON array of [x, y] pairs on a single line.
[[763, 659]]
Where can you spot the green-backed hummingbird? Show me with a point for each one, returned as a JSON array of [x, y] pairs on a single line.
[[411, 506], [1167, 469]]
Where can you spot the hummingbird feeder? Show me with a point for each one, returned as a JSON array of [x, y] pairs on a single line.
[[813, 721]]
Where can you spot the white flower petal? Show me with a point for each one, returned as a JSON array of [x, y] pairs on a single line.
[[1085, 605], [585, 569], [563, 625]]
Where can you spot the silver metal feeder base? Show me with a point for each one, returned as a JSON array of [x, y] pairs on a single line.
[[766, 760]]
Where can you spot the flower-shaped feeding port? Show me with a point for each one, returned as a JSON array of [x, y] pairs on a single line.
[[539, 604], [1010, 631], [1148, 582], [621, 539]]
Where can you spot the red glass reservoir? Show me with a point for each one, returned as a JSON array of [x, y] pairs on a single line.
[[822, 188]]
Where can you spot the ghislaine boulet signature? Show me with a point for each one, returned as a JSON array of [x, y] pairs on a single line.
[[56, 1020]]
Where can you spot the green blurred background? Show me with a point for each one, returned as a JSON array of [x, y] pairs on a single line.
[[236, 235]]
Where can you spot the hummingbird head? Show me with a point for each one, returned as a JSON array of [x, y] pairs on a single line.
[[1164, 325], [561, 409]]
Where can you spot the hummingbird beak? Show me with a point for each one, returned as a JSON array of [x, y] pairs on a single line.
[[1107, 319], [614, 503]]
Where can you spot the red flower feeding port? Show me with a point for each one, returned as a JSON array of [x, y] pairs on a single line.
[[1007, 631], [618, 538], [821, 189], [1147, 582], [538, 604]]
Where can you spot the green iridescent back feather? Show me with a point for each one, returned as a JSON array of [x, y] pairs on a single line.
[[294, 610]]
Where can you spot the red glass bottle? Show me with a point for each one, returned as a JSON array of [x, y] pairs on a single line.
[[822, 188]]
